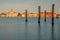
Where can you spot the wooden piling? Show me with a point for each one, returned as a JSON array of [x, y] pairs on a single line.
[[53, 21], [26, 15], [45, 16], [39, 11], [53, 15]]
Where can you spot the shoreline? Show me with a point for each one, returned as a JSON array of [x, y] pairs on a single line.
[[28, 17]]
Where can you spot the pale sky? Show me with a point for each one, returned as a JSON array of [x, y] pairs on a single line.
[[30, 5]]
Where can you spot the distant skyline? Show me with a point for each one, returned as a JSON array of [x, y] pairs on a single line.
[[30, 5]]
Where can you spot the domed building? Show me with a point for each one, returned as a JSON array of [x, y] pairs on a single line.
[[12, 13]]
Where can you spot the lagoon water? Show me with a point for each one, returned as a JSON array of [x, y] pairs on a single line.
[[18, 29]]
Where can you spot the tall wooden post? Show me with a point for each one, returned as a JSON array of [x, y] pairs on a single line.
[[39, 11], [53, 15], [53, 21], [45, 16], [26, 16]]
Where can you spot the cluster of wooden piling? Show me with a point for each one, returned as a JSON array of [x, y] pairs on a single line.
[[39, 11], [52, 20]]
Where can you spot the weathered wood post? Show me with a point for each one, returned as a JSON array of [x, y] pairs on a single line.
[[53, 21], [26, 16], [39, 11], [53, 16], [45, 16]]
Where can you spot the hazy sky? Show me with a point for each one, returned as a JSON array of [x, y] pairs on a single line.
[[31, 5]]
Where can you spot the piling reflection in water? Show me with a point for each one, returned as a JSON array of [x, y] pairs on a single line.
[[53, 38], [39, 36], [30, 30], [26, 31]]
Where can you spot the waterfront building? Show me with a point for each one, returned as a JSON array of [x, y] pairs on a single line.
[[12, 14], [32, 15], [58, 15], [48, 14], [3, 15]]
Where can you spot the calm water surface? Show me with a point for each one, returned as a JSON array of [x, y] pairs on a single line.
[[18, 29]]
